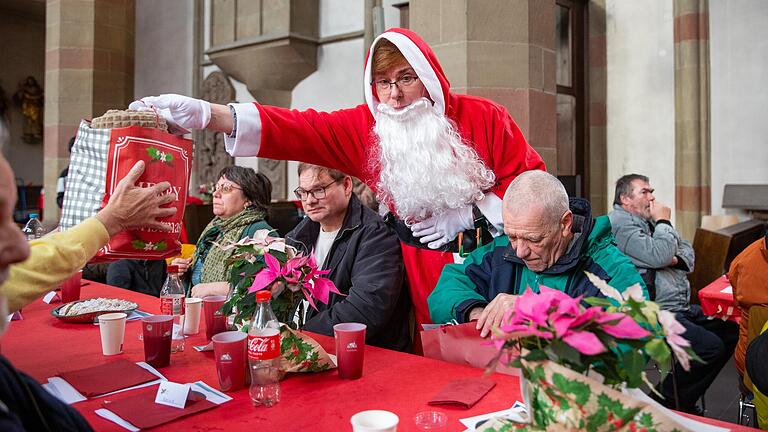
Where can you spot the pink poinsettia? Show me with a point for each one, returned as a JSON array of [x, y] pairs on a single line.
[[300, 271]]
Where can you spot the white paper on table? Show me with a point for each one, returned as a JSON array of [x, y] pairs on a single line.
[[133, 316], [727, 290], [114, 418], [61, 389], [137, 315], [518, 413], [50, 297], [211, 394], [686, 422], [201, 348]]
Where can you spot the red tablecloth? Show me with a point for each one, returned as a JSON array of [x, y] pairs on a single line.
[[717, 300], [402, 383]]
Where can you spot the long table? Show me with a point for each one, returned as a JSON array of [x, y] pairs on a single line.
[[42, 345], [717, 300]]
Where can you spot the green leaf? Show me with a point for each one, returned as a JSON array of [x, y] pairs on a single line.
[[138, 244], [153, 152], [658, 350], [598, 301], [565, 352], [633, 364], [578, 389]]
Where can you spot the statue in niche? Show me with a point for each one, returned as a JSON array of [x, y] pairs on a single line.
[[210, 154], [30, 97]]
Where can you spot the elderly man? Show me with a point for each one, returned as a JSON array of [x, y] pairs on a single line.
[[438, 161], [362, 254], [29, 270], [645, 234], [550, 241]]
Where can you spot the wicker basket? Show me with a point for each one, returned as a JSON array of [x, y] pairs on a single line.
[[124, 118]]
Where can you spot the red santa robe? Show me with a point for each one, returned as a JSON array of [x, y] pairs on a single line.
[[342, 140]]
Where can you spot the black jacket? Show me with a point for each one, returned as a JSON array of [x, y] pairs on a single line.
[[366, 264], [27, 406]]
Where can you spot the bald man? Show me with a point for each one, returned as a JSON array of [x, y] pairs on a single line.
[[549, 241]]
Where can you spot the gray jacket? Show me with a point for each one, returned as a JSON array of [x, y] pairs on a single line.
[[654, 252]]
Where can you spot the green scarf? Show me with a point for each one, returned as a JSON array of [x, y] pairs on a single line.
[[222, 231]]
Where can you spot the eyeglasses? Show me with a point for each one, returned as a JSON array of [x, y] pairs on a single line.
[[384, 87], [225, 188], [317, 193]]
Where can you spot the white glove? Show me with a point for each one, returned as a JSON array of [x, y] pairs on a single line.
[[181, 112], [439, 230]]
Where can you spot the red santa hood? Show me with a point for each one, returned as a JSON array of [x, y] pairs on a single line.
[[421, 58]]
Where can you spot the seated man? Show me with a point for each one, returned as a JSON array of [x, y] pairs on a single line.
[[644, 233], [144, 276], [362, 254], [549, 242], [749, 277], [29, 270]]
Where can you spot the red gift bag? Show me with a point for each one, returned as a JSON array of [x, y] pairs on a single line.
[[168, 158], [462, 344]]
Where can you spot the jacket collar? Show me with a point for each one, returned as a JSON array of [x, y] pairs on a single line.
[[306, 232], [637, 219], [582, 228]]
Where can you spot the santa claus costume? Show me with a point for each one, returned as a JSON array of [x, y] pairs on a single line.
[[345, 140]]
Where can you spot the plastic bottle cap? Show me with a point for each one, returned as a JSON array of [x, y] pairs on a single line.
[[172, 269], [263, 295], [33, 215]]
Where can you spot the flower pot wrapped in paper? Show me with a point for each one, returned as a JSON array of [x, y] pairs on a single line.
[[580, 364], [265, 262]]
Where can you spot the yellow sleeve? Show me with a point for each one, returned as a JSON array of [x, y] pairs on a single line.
[[52, 260]]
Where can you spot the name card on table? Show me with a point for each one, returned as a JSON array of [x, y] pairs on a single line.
[[51, 297], [172, 394]]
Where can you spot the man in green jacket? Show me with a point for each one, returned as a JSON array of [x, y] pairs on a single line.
[[550, 241]]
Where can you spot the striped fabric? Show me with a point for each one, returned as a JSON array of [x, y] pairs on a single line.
[[84, 190]]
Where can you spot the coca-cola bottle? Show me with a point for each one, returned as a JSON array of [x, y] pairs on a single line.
[[172, 303], [264, 352]]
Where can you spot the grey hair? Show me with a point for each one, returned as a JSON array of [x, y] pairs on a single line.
[[537, 188], [624, 186]]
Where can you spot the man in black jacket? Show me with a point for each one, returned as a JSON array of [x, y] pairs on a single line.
[[362, 254]]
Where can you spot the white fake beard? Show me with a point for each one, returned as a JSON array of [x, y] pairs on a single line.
[[424, 166]]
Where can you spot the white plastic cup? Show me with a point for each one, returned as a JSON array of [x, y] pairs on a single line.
[[374, 421], [194, 307], [112, 327]]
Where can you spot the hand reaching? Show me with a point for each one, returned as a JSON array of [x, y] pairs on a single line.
[[493, 313], [181, 112], [133, 207]]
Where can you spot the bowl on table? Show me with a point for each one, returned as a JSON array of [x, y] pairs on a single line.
[[88, 310]]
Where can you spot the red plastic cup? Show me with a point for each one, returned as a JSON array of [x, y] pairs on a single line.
[[215, 321], [230, 348], [156, 331], [70, 289], [350, 348]]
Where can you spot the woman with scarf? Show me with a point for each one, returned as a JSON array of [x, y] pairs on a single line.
[[240, 204]]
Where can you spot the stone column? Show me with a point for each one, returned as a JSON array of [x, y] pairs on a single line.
[[600, 187], [88, 69], [503, 50], [692, 115]]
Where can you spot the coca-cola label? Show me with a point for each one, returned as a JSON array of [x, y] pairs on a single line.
[[264, 347], [172, 305]]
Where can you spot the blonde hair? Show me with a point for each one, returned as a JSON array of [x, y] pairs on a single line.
[[385, 56]]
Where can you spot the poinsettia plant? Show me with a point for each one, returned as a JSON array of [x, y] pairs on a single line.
[[614, 336], [205, 191], [266, 262]]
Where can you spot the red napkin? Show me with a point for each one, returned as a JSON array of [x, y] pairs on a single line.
[[108, 377], [140, 409], [464, 392]]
